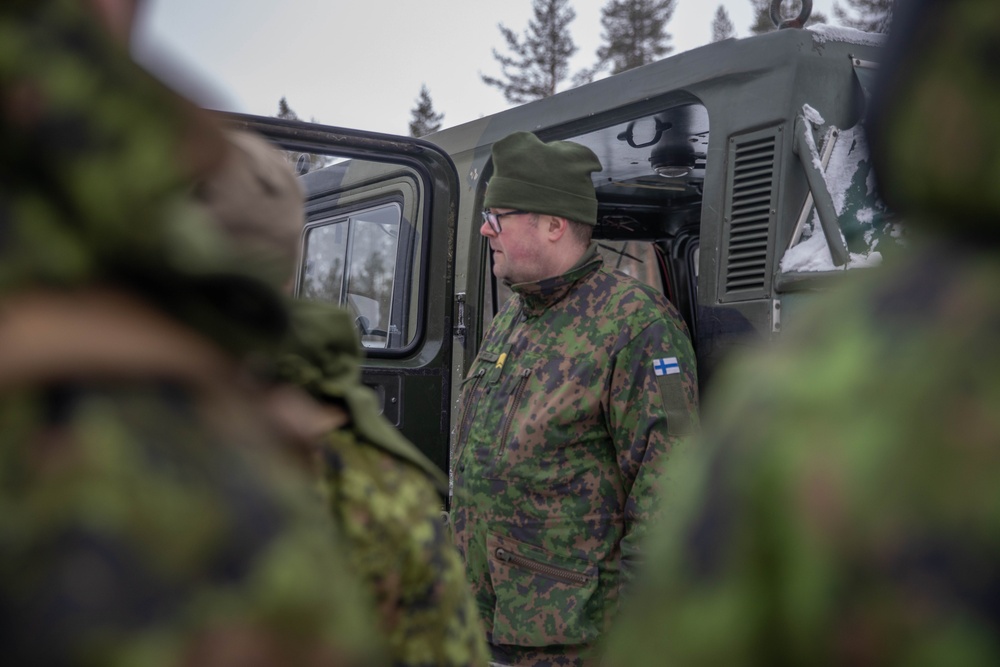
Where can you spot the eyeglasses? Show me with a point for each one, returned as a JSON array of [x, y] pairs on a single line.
[[494, 219]]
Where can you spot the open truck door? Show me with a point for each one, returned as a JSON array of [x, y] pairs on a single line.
[[379, 241]]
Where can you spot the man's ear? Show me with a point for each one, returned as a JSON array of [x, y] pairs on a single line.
[[557, 227]]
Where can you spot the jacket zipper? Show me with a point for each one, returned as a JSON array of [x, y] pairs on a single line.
[[467, 411], [551, 571], [518, 393]]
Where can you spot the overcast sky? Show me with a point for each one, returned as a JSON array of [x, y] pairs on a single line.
[[360, 64]]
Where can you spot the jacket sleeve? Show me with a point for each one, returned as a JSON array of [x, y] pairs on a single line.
[[652, 404]]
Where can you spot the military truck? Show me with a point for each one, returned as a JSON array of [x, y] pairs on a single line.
[[736, 180]]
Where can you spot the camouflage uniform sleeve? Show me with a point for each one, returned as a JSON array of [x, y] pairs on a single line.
[[651, 414], [390, 510], [131, 536]]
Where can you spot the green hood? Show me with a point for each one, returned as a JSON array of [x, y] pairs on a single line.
[[323, 356]]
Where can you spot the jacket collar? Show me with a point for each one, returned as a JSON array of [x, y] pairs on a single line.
[[538, 296]]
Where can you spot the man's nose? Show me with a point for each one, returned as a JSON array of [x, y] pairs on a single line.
[[486, 230]]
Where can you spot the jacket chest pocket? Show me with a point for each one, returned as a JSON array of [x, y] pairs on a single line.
[[517, 395], [469, 402], [475, 390], [542, 599]]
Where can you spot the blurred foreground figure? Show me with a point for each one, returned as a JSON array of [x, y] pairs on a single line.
[[847, 511], [384, 494], [148, 513]]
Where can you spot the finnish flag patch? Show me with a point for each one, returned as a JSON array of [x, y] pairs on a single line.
[[666, 366]]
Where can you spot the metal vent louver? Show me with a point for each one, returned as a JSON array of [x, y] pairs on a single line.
[[749, 213]]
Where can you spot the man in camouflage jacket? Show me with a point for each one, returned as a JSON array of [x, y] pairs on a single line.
[[387, 497], [846, 510], [583, 385], [148, 513]]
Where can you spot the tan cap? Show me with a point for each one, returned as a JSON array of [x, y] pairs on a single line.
[[258, 202]]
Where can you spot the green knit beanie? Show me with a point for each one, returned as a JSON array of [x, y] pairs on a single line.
[[552, 178]]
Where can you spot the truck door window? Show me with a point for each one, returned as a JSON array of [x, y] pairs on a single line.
[[351, 261]]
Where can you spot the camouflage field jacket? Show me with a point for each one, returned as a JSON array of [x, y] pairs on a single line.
[[386, 497], [583, 385]]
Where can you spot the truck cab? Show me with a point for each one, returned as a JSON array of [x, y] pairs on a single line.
[[735, 180]]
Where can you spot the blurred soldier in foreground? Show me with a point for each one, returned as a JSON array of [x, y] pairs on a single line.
[[147, 515], [848, 509], [384, 494]]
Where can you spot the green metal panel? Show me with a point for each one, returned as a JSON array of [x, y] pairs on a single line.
[[752, 193]]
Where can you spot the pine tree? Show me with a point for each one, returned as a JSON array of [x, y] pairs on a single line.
[[284, 111], [872, 15], [302, 162], [539, 63], [722, 25], [762, 15], [634, 33], [424, 119]]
